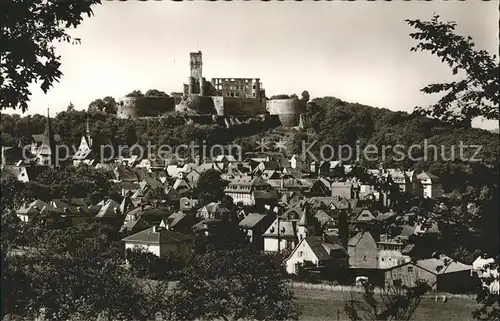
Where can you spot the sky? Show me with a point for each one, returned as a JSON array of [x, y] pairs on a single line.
[[356, 51]]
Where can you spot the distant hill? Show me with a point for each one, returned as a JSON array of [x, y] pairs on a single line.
[[333, 123]]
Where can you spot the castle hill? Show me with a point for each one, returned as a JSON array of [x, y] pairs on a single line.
[[249, 161]]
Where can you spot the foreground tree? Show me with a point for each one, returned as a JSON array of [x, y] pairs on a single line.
[[29, 31], [394, 303], [87, 272], [234, 285], [478, 94]]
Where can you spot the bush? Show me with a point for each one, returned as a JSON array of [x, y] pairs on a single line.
[[147, 265]]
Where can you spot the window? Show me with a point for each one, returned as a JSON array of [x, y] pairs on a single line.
[[300, 253], [382, 259], [364, 258], [410, 269]]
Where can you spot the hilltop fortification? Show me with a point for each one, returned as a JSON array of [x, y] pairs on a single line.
[[221, 96]]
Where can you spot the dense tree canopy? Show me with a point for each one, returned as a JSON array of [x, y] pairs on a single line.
[[107, 104], [210, 186], [87, 272], [233, 285], [478, 93], [29, 31], [156, 93]]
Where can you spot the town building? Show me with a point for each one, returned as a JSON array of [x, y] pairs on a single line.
[[431, 185], [363, 252], [161, 242], [322, 251], [441, 274]]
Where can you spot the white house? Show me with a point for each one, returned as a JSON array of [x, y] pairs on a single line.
[[161, 241], [281, 235], [318, 250], [27, 211], [390, 253], [431, 185], [242, 189]]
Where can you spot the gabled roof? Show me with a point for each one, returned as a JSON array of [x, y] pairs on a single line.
[[133, 224], [75, 207], [157, 236], [439, 266], [322, 217], [158, 212], [32, 208], [12, 155], [108, 209], [304, 220], [221, 158], [323, 250], [286, 229], [251, 220], [181, 183], [358, 237], [428, 176], [205, 224], [126, 173], [171, 194], [268, 195], [175, 218]]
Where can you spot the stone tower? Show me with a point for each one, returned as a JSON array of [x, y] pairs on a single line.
[[196, 64], [196, 79]]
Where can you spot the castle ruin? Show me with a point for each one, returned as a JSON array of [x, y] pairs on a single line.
[[221, 96]]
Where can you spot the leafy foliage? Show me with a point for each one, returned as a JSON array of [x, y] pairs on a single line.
[[305, 95], [147, 265], [89, 280], [77, 182], [224, 237], [397, 302], [478, 94], [135, 93], [107, 104], [156, 93], [210, 186], [241, 284], [30, 29]]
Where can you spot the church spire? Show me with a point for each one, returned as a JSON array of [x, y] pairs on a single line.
[[48, 148], [87, 133]]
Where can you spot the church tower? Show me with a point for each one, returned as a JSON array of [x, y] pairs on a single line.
[[47, 152]]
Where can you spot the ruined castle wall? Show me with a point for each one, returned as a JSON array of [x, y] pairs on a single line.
[[288, 110], [232, 106], [219, 104], [144, 106]]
